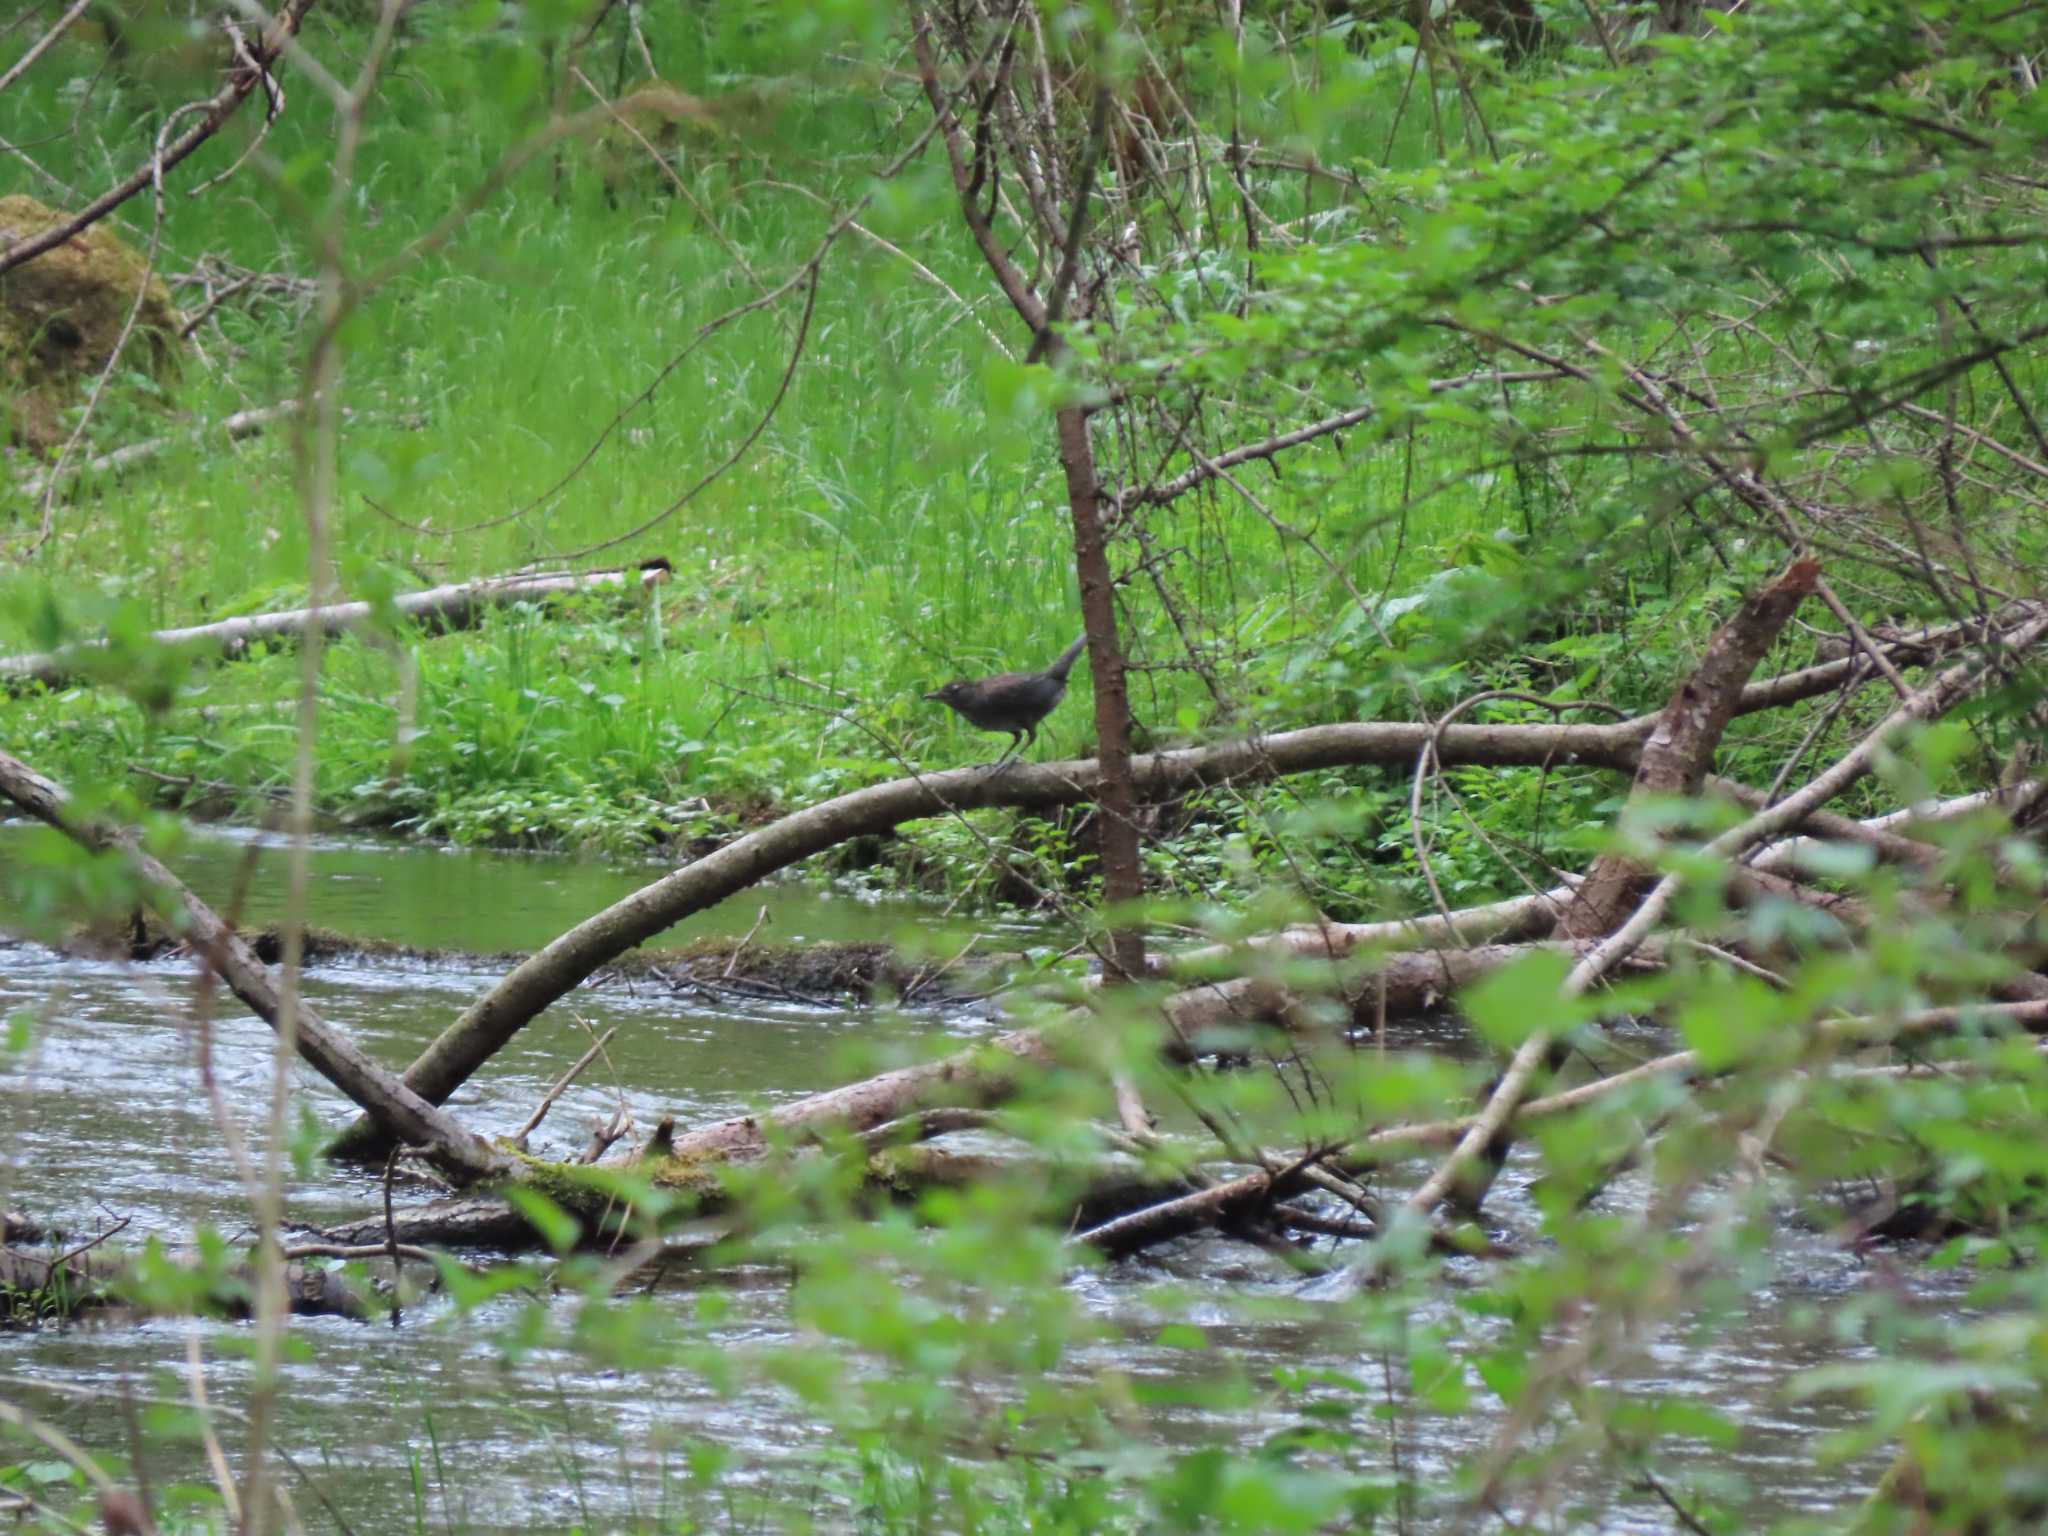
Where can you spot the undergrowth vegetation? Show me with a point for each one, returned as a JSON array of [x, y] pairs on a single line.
[[1570, 361], [896, 524]]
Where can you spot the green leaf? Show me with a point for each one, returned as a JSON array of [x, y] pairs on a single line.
[[558, 1229], [1520, 999]]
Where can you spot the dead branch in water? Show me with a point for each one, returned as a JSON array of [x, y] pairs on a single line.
[[330, 1052]]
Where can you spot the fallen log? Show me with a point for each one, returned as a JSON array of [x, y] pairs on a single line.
[[1926, 703], [1092, 1192], [532, 986], [1230, 1199], [459, 606], [240, 425], [1400, 983], [1130, 1208], [37, 1288]]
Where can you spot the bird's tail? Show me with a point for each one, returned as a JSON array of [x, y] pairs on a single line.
[[1065, 664]]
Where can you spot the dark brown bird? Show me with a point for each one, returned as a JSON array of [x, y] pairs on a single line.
[[1011, 701]]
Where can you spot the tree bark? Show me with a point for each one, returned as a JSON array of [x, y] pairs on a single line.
[[1117, 801], [1679, 752]]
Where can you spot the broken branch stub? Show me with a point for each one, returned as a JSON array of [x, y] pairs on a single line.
[[1678, 754]]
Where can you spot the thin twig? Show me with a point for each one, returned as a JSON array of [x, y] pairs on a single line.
[[562, 1083]]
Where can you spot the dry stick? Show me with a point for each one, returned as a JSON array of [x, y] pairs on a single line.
[[915, 265], [1213, 465], [455, 607], [740, 948], [1427, 757], [453, 1149], [739, 449], [66, 1447], [682, 188], [317, 451], [562, 1083], [1890, 847], [273, 102], [41, 44], [1759, 494], [884, 1101], [391, 1239], [1326, 940], [702, 334], [1931, 700], [1675, 761], [214, 111], [216, 1458], [542, 978]]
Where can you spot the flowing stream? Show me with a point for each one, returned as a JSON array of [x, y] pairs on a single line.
[[104, 1120]]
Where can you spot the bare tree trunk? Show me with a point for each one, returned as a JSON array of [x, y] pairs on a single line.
[[1117, 801]]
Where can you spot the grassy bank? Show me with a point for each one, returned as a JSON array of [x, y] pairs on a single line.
[[899, 521]]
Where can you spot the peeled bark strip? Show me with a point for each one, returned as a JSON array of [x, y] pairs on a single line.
[[457, 1152], [459, 606]]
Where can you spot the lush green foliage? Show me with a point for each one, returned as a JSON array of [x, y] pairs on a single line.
[[1776, 286]]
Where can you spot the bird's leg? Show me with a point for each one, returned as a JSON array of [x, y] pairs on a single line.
[[1016, 745]]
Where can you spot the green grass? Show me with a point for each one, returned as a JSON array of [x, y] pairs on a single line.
[[891, 528], [888, 531]]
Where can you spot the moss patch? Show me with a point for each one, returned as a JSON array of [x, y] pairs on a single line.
[[62, 314]]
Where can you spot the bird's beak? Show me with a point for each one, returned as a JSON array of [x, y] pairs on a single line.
[[936, 693]]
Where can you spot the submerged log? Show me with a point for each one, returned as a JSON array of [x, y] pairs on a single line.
[[39, 1288]]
